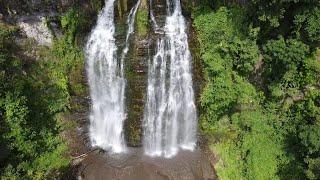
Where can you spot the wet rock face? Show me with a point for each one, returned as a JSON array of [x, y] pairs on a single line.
[[136, 75], [39, 19], [23, 7], [20, 7], [13, 9], [187, 6], [136, 91]]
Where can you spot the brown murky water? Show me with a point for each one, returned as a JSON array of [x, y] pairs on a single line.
[[136, 166]]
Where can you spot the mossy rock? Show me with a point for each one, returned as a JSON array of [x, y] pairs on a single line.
[[142, 22], [133, 131]]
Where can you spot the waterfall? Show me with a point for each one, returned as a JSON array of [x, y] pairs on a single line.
[[156, 102], [106, 81], [170, 120], [153, 19], [130, 22]]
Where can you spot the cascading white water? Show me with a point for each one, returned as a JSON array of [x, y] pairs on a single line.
[[130, 22], [153, 19], [107, 82], [170, 120], [155, 112]]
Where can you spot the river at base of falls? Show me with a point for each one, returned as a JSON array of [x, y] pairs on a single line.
[[135, 165]]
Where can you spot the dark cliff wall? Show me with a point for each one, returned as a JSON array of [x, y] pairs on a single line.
[[22, 7]]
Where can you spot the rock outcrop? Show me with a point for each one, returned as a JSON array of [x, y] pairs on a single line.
[[35, 27]]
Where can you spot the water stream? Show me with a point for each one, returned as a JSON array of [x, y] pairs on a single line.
[[107, 81], [170, 120]]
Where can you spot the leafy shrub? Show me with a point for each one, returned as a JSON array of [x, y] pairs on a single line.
[[289, 67], [241, 133], [307, 24], [256, 136]]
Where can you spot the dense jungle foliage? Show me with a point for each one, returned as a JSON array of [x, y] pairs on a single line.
[[35, 96], [261, 103]]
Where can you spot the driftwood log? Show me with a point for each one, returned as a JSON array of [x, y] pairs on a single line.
[[78, 159]]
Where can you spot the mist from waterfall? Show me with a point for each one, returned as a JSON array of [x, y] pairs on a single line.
[[170, 120], [106, 80]]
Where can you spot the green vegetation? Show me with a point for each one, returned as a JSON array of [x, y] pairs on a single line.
[[142, 22], [34, 96], [31, 105], [260, 106]]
